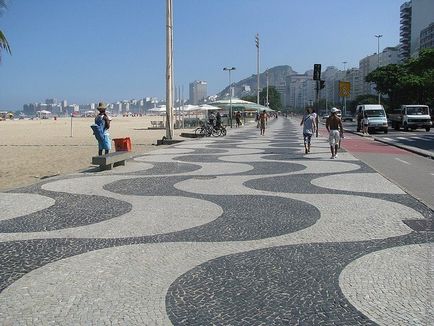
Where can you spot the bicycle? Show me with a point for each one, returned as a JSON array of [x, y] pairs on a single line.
[[207, 130]]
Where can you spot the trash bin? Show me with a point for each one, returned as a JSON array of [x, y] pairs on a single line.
[[122, 144]]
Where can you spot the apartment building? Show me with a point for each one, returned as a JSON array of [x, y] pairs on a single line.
[[198, 91]]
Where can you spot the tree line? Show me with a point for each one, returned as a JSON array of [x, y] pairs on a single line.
[[409, 83]]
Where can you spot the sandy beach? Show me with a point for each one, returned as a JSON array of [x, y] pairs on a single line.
[[32, 150]]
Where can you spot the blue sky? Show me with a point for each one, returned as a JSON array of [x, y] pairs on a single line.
[[90, 50]]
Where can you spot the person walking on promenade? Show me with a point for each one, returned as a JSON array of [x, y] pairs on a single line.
[[335, 130], [218, 120], [309, 127], [263, 121], [238, 119], [211, 118], [103, 122]]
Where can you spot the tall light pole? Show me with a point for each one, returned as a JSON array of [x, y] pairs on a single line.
[[169, 70], [345, 79], [267, 104], [378, 61], [257, 68], [230, 90]]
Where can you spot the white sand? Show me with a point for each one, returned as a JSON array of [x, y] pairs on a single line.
[[34, 149]]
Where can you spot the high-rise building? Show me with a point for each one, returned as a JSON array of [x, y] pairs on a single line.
[[427, 37], [299, 90], [198, 91], [416, 16], [51, 101], [422, 15], [390, 55], [405, 31]]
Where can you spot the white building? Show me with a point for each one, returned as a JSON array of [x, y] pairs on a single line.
[[198, 91], [390, 55], [416, 16], [295, 95]]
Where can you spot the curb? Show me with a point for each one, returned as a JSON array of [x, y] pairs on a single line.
[[414, 150]]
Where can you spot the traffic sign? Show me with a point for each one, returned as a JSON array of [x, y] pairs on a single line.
[[344, 89]]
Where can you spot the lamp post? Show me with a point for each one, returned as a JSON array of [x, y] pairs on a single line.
[[267, 103], [378, 60], [345, 79], [169, 69], [257, 68], [230, 90]]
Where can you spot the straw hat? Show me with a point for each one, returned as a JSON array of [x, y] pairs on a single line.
[[101, 106]]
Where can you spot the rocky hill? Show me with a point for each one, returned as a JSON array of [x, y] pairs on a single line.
[[276, 76]]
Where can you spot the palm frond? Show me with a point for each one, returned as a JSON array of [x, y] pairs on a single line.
[[4, 43]]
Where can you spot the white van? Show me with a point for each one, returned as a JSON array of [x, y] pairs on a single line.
[[377, 119]]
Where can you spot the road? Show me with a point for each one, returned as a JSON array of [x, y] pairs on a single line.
[[412, 172], [419, 139]]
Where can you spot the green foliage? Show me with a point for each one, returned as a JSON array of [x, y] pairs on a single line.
[[273, 98], [408, 83], [4, 45]]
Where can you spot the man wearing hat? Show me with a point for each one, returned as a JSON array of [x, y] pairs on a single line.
[[335, 129], [103, 122]]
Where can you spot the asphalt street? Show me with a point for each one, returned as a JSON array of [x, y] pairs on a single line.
[[237, 230]]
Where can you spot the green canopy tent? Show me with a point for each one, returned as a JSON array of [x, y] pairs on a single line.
[[249, 108], [241, 105]]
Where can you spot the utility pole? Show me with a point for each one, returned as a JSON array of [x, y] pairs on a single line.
[[257, 68], [169, 69]]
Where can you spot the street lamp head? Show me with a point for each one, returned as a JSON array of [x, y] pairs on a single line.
[[227, 68], [378, 36]]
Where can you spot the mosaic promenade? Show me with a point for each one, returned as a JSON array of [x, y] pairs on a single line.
[[237, 230]]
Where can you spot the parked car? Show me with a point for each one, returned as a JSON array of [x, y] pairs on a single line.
[[411, 117]]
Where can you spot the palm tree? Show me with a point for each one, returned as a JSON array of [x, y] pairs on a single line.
[[4, 45]]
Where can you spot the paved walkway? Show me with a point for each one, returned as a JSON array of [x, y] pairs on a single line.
[[240, 230]]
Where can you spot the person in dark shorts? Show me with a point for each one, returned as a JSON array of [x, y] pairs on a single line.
[[309, 127], [263, 121], [238, 119]]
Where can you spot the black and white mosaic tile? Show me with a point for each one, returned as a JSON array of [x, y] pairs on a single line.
[[273, 238]]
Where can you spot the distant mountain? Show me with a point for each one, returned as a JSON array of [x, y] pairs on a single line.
[[276, 76]]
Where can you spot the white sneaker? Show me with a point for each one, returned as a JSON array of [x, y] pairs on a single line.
[[332, 157], [336, 156]]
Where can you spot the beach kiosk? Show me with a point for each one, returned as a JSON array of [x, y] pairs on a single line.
[[43, 114]]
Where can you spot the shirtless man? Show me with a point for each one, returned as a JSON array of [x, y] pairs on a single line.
[[263, 121], [336, 131]]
